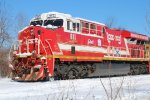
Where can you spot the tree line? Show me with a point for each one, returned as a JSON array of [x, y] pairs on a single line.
[[8, 32]]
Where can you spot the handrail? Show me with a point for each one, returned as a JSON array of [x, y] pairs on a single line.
[[49, 46], [44, 50], [51, 51], [9, 57]]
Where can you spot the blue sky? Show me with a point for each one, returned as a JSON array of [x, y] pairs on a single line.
[[128, 14]]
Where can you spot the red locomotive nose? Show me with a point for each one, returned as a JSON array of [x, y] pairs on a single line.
[[34, 53]]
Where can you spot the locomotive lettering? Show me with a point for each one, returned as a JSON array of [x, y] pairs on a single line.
[[90, 41]]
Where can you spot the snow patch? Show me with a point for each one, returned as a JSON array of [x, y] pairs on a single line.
[[133, 87]]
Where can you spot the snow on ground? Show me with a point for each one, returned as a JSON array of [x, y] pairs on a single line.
[[133, 88]]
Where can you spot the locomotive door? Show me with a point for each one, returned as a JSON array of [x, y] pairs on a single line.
[[147, 51]]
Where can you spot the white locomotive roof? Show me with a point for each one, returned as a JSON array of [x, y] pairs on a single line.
[[44, 16], [90, 21], [61, 14]]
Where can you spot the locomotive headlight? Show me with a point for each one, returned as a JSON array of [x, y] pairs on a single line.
[[33, 61], [33, 52]]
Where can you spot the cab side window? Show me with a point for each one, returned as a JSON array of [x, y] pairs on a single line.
[[92, 28], [87, 25], [68, 25], [78, 27], [74, 26]]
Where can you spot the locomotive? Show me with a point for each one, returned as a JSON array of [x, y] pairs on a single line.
[[57, 45]]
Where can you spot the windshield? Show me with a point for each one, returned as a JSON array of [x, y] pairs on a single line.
[[55, 22], [39, 22]]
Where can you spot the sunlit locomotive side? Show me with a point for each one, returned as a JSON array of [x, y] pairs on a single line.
[[56, 45]]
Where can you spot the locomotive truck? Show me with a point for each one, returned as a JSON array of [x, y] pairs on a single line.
[[57, 45]]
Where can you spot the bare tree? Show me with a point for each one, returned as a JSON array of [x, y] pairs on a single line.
[[5, 38], [4, 25], [147, 29], [21, 21], [112, 91], [4, 69], [110, 22]]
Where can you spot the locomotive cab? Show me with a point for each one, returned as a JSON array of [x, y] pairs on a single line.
[[54, 20]]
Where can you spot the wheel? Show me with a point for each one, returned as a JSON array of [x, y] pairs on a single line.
[[134, 70], [60, 72], [73, 73], [137, 69], [143, 69], [47, 78]]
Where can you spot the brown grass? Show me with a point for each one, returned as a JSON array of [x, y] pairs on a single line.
[[4, 64]]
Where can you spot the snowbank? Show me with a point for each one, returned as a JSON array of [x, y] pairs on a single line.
[[130, 88]]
